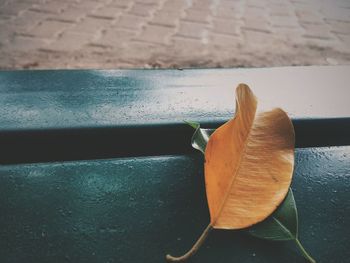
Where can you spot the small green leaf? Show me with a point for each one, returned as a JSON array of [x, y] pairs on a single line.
[[281, 225], [193, 124], [200, 137]]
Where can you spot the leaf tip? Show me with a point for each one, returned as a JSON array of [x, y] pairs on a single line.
[[194, 125]]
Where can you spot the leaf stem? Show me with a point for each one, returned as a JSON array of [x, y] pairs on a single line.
[[303, 251], [194, 249]]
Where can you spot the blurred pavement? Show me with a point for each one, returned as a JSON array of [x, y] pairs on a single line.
[[173, 33]]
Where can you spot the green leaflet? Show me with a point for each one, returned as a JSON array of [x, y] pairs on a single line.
[[200, 137], [282, 224]]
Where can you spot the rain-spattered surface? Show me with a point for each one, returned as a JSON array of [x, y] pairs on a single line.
[[61, 99], [139, 209]]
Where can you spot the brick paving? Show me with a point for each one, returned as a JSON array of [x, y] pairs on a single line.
[[173, 33]]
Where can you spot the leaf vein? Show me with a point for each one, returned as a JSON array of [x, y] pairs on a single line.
[[283, 227]]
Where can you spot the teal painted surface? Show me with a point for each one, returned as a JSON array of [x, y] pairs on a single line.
[[100, 98], [139, 209], [53, 115]]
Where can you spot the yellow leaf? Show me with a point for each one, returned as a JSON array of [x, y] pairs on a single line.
[[248, 164], [248, 167]]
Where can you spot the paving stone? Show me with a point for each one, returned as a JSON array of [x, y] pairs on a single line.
[[255, 3], [155, 34], [229, 12], [14, 8], [203, 5], [229, 3], [67, 42], [290, 34], [28, 19], [21, 43], [311, 17], [113, 38], [336, 13], [90, 25], [224, 41], [71, 15], [50, 7], [345, 39], [226, 26], [305, 5], [279, 10], [178, 5], [124, 4], [254, 24], [343, 4], [135, 51], [106, 13], [284, 21], [165, 18], [317, 31], [255, 13], [48, 29], [191, 30], [323, 45], [148, 2], [6, 35], [88, 6], [5, 19], [130, 22], [142, 10], [340, 27], [198, 16], [184, 46], [262, 38]]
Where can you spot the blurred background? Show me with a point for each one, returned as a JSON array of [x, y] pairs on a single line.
[[173, 33]]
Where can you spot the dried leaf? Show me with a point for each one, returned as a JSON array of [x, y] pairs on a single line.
[[274, 134], [248, 164], [282, 225]]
